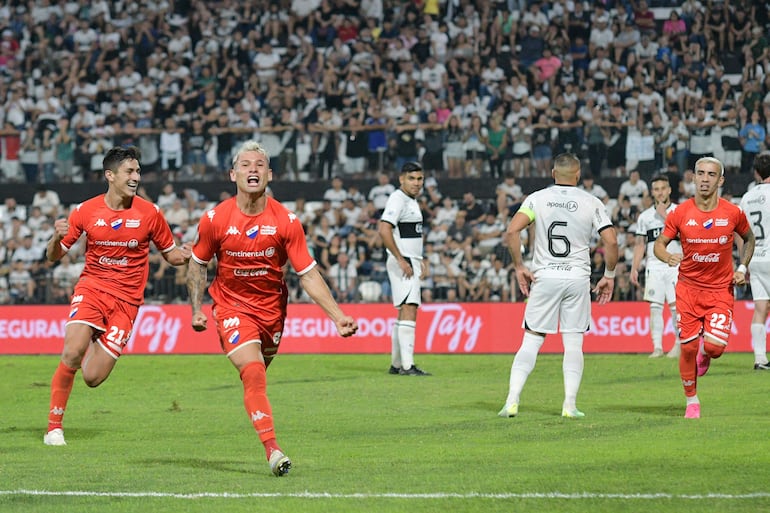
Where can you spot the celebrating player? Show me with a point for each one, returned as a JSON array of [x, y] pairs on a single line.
[[252, 237], [705, 225], [558, 285], [119, 227]]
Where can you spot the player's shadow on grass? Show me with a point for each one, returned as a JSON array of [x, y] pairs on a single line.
[[232, 466]]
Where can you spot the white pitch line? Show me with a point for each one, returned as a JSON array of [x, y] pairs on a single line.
[[437, 495]]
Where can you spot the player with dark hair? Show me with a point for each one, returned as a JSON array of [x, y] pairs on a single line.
[[558, 284], [401, 230], [706, 226], [660, 279], [119, 227]]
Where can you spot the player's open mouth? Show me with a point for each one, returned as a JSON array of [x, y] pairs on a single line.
[[253, 180]]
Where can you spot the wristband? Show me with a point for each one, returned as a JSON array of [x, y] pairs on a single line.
[[609, 274], [741, 269]]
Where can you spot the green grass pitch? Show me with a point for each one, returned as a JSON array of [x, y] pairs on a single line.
[[169, 434]]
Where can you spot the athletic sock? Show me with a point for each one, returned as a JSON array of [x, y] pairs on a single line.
[[406, 342], [672, 309], [688, 367], [572, 367], [61, 388], [395, 348], [656, 326], [759, 342], [257, 405], [523, 363]]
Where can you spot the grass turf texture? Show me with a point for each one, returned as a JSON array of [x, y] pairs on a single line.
[[176, 425]]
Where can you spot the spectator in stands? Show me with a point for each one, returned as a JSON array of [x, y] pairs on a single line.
[[47, 200], [752, 136], [634, 189]]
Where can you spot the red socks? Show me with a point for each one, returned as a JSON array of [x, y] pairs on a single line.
[[61, 387], [257, 404]]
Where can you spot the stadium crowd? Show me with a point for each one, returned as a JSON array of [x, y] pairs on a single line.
[[338, 89]]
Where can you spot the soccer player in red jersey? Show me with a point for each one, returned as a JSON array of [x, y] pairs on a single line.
[[119, 226], [252, 237], [705, 225]]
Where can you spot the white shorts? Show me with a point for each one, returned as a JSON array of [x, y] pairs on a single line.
[[759, 277], [660, 285], [558, 305], [404, 290]]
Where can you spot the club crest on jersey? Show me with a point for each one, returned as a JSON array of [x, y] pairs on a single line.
[[116, 224], [234, 338], [73, 312], [708, 223], [252, 232]]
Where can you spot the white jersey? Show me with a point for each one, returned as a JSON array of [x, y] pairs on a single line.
[[565, 218], [403, 212], [649, 225], [756, 205]]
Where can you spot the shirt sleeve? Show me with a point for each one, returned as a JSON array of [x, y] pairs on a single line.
[[205, 247]]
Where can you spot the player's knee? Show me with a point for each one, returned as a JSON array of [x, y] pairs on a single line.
[[689, 348], [714, 350]]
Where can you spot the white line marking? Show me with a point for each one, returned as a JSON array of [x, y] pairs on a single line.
[[438, 495]]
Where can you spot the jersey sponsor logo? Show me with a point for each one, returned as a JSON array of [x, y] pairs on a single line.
[[110, 243], [133, 243], [234, 338], [231, 322], [269, 252], [570, 206], [692, 222], [723, 239], [100, 222], [269, 230], [720, 222], [133, 223], [252, 232], [700, 240], [709, 257], [121, 262], [232, 230], [760, 200], [250, 272], [708, 223], [116, 224]]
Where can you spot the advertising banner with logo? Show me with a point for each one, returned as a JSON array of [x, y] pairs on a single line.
[[442, 328]]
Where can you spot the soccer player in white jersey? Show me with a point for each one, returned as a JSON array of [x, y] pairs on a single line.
[[756, 204], [660, 278], [401, 230], [558, 285]]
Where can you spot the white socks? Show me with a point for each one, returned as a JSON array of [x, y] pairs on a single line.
[[656, 326], [572, 367], [395, 349], [406, 342], [523, 363], [759, 342]]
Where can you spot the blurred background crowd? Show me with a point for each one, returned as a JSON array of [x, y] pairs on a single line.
[[342, 92]]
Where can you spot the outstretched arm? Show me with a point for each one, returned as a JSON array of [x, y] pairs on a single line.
[[315, 286]]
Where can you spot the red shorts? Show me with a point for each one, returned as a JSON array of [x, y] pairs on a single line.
[[113, 318], [237, 329], [705, 311]]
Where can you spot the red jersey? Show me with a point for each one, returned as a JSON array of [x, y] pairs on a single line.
[[251, 252], [118, 245], [707, 242]]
